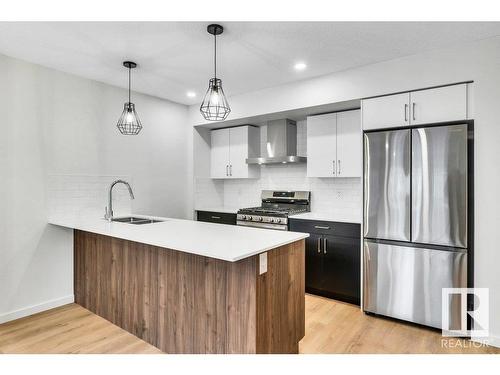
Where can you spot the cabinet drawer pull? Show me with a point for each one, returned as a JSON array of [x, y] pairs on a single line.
[[325, 245], [319, 245], [333, 168], [216, 217], [406, 112], [231, 170], [338, 163], [321, 227], [227, 170]]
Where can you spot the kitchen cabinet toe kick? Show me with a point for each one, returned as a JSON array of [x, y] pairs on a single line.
[[186, 303]]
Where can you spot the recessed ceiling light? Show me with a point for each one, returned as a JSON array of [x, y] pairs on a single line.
[[300, 66], [191, 94]]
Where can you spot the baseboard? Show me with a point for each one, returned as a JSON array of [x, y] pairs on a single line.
[[30, 310], [491, 340]]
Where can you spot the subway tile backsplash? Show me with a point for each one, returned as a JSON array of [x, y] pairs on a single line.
[[76, 195], [334, 197]]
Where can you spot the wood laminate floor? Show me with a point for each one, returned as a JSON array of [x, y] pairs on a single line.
[[331, 327], [69, 329], [337, 327]]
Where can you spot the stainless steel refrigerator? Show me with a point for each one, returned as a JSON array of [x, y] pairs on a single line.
[[415, 221]]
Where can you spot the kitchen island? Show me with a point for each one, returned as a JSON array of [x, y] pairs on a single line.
[[193, 287]]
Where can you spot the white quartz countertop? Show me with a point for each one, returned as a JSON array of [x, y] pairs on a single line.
[[226, 242], [222, 209], [328, 217], [322, 216]]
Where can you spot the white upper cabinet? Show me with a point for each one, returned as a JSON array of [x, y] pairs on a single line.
[[219, 153], [441, 104], [334, 145], [322, 145], [229, 150], [349, 144], [448, 103], [386, 111]]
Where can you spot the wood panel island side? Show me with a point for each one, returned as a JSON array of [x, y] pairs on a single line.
[[186, 302]]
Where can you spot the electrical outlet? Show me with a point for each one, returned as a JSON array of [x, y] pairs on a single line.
[[262, 263]]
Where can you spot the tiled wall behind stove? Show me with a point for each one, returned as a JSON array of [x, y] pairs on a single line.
[[334, 196]]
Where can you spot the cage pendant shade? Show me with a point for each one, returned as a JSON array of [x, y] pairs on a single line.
[[214, 106], [129, 122]]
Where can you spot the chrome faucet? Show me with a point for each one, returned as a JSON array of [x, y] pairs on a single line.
[[108, 215]]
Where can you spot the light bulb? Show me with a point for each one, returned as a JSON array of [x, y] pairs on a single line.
[[129, 118], [215, 98]]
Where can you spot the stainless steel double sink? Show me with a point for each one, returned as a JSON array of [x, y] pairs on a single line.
[[136, 220]]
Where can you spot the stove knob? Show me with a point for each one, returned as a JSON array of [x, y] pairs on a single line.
[[259, 218], [243, 217]]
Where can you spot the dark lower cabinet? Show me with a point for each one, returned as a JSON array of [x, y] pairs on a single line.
[[341, 268], [314, 262], [216, 217], [332, 258]]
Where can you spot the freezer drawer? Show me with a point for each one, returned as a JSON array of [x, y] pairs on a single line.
[[439, 185], [406, 282], [387, 185]]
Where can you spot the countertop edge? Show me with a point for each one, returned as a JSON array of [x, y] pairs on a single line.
[[299, 237]]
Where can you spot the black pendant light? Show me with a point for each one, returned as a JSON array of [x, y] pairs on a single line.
[[214, 106], [129, 123]]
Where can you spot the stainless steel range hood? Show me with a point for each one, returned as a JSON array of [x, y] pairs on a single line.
[[281, 144]]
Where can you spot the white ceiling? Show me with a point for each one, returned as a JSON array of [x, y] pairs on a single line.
[[176, 57]]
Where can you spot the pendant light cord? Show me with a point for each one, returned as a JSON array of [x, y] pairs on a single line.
[[129, 69], [215, 56]]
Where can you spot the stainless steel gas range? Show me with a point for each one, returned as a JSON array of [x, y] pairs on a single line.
[[275, 209]]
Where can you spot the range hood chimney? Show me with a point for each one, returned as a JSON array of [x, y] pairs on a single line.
[[281, 144]]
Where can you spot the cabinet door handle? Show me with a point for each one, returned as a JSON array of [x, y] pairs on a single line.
[[216, 217], [413, 110], [334, 167], [321, 227], [227, 170], [319, 245], [406, 112], [231, 170], [338, 166], [325, 245]]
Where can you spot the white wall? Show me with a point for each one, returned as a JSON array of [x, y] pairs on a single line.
[[58, 126], [478, 61]]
